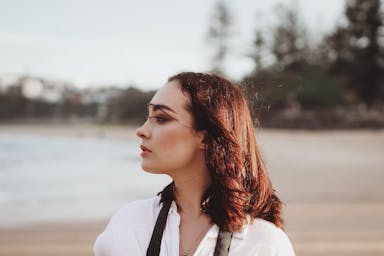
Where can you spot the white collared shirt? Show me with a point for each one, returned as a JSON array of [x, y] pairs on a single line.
[[129, 231]]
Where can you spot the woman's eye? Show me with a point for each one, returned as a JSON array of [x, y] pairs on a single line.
[[158, 119]]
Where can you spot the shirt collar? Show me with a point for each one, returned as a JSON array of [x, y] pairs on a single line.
[[173, 209], [213, 232]]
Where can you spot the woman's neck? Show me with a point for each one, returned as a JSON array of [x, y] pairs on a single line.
[[189, 191]]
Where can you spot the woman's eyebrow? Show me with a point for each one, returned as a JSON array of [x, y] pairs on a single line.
[[160, 106]]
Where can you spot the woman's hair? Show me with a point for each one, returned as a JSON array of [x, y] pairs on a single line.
[[240, 184]]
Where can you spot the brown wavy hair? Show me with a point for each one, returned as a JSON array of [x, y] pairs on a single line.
[[240, 184]]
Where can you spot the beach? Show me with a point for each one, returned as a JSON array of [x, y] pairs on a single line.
[[330, 181]]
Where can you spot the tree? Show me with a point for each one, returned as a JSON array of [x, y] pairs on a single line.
[[290, 44], [218, 35], [130, 105], [276, 86], [258, 49], [356, 53]]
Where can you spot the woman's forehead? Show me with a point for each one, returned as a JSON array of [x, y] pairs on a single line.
[[170, 97]]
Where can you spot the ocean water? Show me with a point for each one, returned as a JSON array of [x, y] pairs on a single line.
[[46, 179]]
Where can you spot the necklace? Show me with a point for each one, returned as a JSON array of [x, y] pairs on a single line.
[[184, 252]]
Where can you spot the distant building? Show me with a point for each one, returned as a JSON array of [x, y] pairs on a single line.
[[31, 88]]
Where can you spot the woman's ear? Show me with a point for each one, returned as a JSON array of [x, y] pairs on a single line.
[[202, 135]]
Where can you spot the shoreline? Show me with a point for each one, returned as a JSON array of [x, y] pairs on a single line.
[[114, 131], [81, 130]]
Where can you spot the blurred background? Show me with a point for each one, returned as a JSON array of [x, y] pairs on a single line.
[[75, 78]]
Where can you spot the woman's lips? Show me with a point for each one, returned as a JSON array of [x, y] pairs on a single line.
[[144, 148], [145, 151]]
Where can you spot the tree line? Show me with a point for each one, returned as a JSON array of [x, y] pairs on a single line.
[[101, 105], [337, 82]]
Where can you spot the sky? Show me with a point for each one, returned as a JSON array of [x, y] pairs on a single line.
[[140, 43]]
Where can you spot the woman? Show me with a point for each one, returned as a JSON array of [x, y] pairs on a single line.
[[199, 132]]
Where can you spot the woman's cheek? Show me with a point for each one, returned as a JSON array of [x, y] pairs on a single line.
[[174, 144], [168, 141]]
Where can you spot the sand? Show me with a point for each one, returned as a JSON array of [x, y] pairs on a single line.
[[331, 183]]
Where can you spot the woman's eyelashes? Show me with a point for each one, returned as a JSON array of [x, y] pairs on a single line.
[[158, 118]]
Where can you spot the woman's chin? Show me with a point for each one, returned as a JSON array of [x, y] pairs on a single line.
[[150, 169]]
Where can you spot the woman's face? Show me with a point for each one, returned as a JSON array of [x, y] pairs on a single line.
[[169, 142]]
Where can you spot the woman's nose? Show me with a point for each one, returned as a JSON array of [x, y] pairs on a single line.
[[142, 132]]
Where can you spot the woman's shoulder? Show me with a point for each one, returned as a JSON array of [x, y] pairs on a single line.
[[268, 236], [131, 221], [138, 212]]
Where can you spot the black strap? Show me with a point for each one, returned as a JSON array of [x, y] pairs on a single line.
[[157, 235], [222, 244]]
